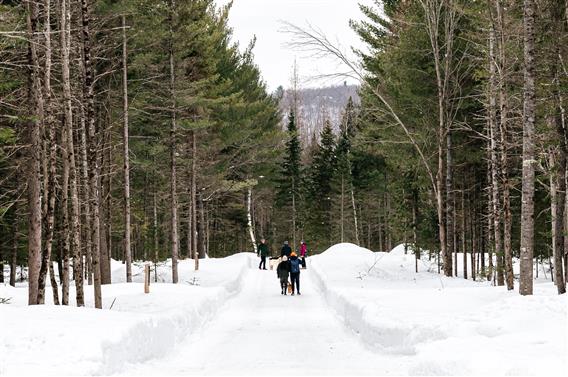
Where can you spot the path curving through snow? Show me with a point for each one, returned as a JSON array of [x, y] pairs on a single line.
[[261, 332]]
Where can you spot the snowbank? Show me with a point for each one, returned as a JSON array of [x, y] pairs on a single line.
[[446, 326], [58, 340]]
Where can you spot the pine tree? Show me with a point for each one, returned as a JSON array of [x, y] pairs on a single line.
[[319, 191], [290, 180]]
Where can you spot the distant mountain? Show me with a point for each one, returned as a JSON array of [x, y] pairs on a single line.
[[316, 105]]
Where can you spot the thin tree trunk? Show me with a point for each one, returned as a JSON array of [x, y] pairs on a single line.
[[49, 160], [126, 152], [201, 233], [173, 177], [249, 220], [474, 239], [495, 155], [489, 245], [555, 120], [105, 204], [557, 212], [528, 175], [94, 152], [503, 128], [450, 204], [463, 232], [66, 250], [355, 219], [34, 154], [70, 150], [341, 216], [414, 233], [156, 241], [15, 245], [194, 199]]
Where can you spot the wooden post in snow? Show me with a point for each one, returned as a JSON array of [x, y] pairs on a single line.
[[146, 278]]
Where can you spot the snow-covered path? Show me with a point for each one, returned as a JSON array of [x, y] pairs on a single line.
[[262, 332]]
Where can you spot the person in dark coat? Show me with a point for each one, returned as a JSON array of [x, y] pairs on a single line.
[[282, 272], [295, 272], [262, 253], [286, 250]]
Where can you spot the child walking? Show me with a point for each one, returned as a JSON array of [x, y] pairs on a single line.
[[282, 272]]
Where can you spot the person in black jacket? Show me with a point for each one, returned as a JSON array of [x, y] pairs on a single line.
[[286, 250], [263, 252], [282, 272]]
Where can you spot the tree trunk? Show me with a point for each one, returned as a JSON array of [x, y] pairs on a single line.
[[15, 246], [355, 220], [490, 245], [173, 177], [557, 214], [450, 204], [249, 220], [156, 241], [555, 121], [49, 160], [463, 233], [70, 150], [194, 199], [503, 128], [66, 249], [34, 154], [495, 155], [528, 177], [105, 205], [126, 168], [94, 152], [201, 233]]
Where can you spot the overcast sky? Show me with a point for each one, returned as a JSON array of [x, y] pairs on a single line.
[[275, 59]]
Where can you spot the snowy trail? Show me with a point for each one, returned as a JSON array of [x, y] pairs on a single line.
[[262, 332]]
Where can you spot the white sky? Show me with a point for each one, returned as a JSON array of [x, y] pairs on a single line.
[[263, 19]]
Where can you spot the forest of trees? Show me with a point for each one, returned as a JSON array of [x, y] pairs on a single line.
[[137, 130], [129, 130]]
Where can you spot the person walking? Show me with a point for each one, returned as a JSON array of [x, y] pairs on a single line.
[[303, 252], [286, 250], [295, 272], [262, 253], [282, 271]]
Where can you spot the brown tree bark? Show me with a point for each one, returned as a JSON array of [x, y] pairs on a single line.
[[65, 229], [528, 174], [94, 151], [65, 35], [463, 233], [501, 63], [49, 159], [126, 167], [15, 244], [194, 199], [555, 120], [34, 128]]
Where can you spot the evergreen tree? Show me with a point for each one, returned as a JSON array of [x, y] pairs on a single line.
[[319, 198], [289, 182]]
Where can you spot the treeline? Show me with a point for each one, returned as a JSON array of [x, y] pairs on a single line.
[[128, 130], [459, 144], [465, 103]]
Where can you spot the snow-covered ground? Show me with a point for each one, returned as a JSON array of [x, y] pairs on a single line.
[[359, 313], [447, 326]]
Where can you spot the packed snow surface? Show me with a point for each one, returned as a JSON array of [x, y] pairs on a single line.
[[360, 313]]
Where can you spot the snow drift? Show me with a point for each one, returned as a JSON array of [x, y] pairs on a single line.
[[448, 325], [66, 340]]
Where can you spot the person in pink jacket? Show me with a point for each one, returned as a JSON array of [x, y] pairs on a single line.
[[303, 251]]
